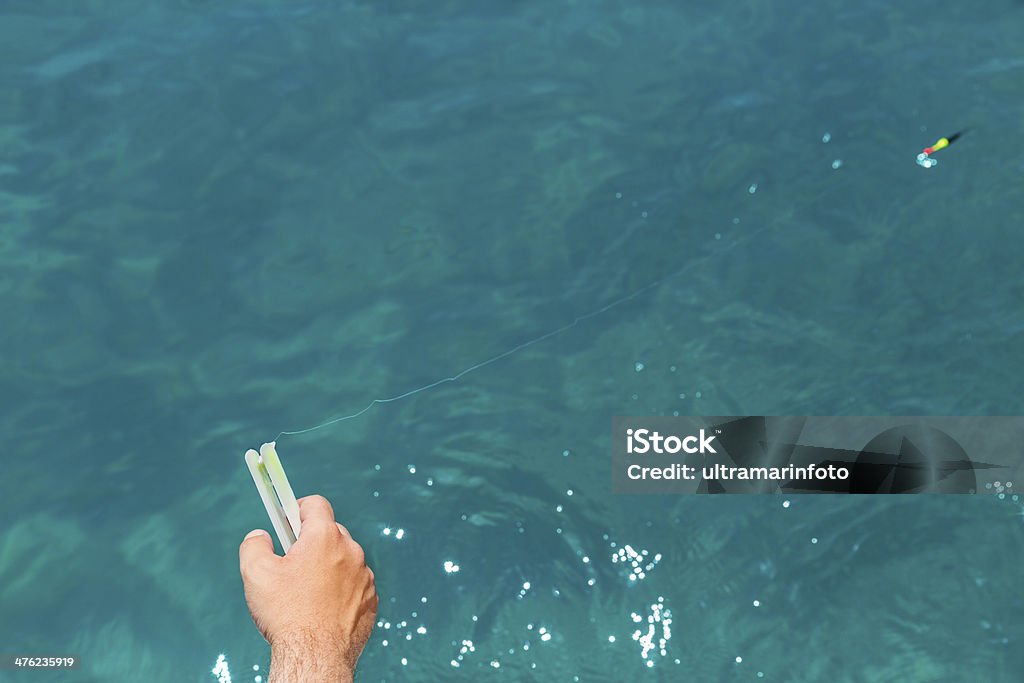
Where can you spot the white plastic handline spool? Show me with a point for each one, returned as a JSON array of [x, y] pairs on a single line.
[[276, 493]]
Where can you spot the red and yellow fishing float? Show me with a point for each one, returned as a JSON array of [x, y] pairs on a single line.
[[925, 158]]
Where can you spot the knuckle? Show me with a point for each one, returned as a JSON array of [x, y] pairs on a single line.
[[250, 571], [357, 554]]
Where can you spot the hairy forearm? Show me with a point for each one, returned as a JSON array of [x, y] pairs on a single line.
[[307, 661]]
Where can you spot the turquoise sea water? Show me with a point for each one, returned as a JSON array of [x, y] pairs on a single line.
[[220, 221]]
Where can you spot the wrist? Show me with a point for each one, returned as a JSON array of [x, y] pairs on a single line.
[[309, 658]]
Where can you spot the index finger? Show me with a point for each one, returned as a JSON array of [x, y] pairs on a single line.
[[315, 511]]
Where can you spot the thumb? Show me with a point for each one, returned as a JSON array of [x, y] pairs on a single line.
[[255, 546]]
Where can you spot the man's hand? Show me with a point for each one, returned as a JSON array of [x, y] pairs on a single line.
[[316, 605]]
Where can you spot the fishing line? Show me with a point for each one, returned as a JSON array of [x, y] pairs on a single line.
[[505, 354], [484, 363]]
